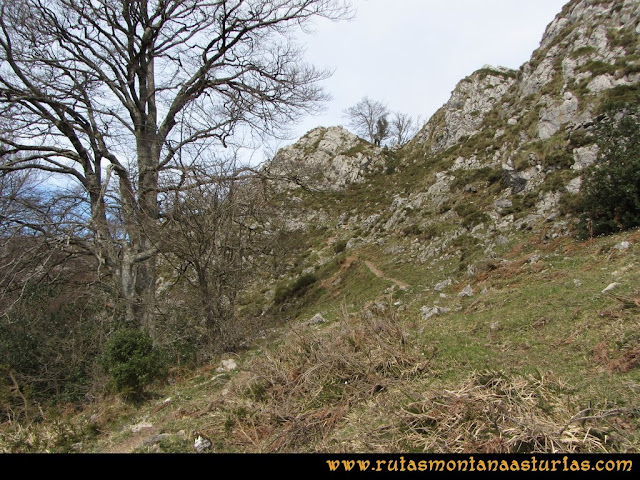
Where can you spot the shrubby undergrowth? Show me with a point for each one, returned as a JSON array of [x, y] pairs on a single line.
[[610, 196]]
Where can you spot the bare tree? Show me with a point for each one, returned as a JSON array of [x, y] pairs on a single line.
[[213, 232], [363, 117], [403, 128], [120, 100]]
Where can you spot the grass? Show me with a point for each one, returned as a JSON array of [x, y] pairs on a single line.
[[537, 360]]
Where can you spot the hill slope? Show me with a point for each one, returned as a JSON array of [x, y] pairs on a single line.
[[433, 298]]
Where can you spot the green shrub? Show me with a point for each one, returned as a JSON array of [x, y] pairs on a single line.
[[295, 289], [609, 200], [132, 361], [340, 246]]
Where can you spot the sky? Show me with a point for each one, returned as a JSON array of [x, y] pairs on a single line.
[[410, 54]]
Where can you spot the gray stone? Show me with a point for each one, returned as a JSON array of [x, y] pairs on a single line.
[[623, 246], [503, 204], [611, 287], [201, 444], [228, 365], [141, 426], [470, 101], [321, 158], [584, 156], [317, 320], [428, 312], [442, 285], [466, 292], [556, 115]]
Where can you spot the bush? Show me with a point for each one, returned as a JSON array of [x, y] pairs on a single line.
[[49, 340], [132, 361], [340, 246], [609, 201], [295, 289]]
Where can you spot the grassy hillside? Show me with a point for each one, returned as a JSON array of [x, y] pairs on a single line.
[[491, 342], [435, 297]]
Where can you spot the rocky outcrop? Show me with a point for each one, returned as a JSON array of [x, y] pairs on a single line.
[[526, 136], [583, 39], [326, 158], [462, 116], [590, 48]]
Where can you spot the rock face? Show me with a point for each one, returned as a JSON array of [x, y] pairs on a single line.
[[463, 114], [526, 121], [589, 49], [585, 32], [529, 132], [329, 158]]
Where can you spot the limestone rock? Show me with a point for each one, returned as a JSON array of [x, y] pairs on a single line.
[[611, 287], [138, 427], [466, 292], [201, 444], [470, 101], [622, 246], [584, 156], [228, 365], [556, 115], [329, 158], [317, 320], [442, 285], [428, 312]]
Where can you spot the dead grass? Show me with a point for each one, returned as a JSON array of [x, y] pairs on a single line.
[[493, 412], [295, 397]]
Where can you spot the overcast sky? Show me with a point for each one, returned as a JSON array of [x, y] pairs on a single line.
[[412, 53]]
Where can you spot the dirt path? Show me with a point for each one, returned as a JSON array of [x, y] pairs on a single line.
[[380, 274], [370, 265], [343, 267]]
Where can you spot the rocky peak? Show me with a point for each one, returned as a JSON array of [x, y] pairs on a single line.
[[590, 47], [592, 43], [597, 14], [328, 158], [470, 101]]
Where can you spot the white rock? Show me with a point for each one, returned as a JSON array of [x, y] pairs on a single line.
[[201, 444], [470, 101], [317, 320], [584, 156], [574, 185], [611, 287], [556, 115], [318, 158], [623, 246], [228, 365], [442, 285], [141, 426], [428, 312], [466, 292]]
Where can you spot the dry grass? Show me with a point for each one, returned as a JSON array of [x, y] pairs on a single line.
[[296, 396], [494, 413]]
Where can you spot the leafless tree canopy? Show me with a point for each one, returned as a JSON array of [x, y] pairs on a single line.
[[364, 115], [123, 99], [369, 118], [403, 128]]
